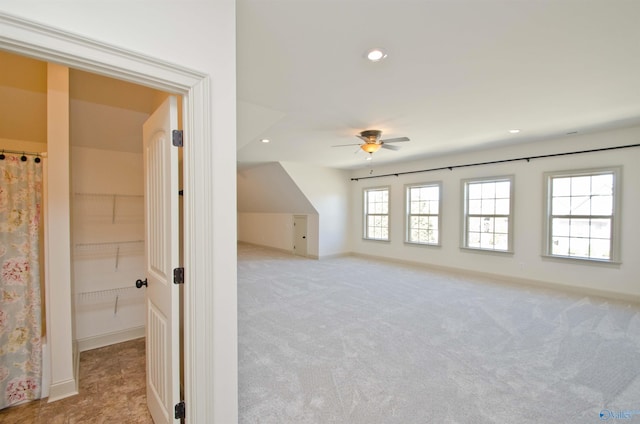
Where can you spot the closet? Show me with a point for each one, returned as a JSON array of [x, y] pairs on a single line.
[[108, 246]]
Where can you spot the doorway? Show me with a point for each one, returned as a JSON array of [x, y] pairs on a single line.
[[210, 303], [106, 194]]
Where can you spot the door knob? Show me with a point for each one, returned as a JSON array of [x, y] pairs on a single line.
[[140, 283]]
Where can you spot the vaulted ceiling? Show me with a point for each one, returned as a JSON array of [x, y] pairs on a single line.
[[459, 74]]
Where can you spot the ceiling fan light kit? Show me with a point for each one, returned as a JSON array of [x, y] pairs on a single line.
[[372, 142], [371, 147]]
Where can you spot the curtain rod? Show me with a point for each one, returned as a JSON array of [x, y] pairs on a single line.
[[527, 158], [24, 152]]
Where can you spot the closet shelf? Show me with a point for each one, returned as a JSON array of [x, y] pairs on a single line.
[[113, 207], [115, 295], [116, 250]]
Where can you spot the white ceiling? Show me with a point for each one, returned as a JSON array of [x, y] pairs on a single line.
[[459, 74]]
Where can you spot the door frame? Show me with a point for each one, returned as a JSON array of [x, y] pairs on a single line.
[[27, 38], [306, 230]]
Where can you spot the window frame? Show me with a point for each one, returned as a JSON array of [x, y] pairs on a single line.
[[366, 214], [408, 214], [465, 213], [615, 217]]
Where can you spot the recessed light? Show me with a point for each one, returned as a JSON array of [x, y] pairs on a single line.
[[265, 140], [514, 131], [376, 55]]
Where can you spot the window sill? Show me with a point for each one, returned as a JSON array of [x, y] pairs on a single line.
[[413, 243], [377, 240], [487, 251], [584, 261]]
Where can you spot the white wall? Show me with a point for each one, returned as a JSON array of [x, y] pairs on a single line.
[[526, 263], [204, 40], [328, 191], [273, 230]]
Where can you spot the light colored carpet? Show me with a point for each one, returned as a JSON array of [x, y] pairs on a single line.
[[352, 341]]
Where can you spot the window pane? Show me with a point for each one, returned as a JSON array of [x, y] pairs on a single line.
[[561, 206], [431, 193], [602, 205], [487, 225], [579, 247], [560, 227], [488, 190], [580, 205], [502, 207], [434, 207], [475, 191], [561, 187], [503, 189], [600, 249], [601, 228], [433, 239], [474, 240], [580, 186], [475, 207], [501, 225], [474, 224], [560, 246], [501, 242], [602, 184], [486, 240], [579, 228], [488, 207]]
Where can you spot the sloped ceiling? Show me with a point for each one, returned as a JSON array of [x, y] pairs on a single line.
[[104, 113], [268, 188], [459, 74]]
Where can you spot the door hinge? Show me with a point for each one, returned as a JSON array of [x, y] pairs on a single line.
[[178, 276], [180, 410], [176, 136]]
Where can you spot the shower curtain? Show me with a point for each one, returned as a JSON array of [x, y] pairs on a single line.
[[20, 308]]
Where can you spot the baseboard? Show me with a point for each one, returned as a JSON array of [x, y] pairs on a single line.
[[108, 339], [277, 249], [567, 288], [62, 390]]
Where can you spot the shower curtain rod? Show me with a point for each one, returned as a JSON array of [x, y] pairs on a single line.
[[527, 158], [24, 152]]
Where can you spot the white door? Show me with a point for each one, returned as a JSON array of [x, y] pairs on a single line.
[[300, 235], [162, 256]]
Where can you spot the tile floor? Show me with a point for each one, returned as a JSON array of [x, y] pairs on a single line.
[[112, 390]]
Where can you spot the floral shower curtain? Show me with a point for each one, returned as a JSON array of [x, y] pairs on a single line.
[[20, 307]]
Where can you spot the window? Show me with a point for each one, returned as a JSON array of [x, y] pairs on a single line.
[[581, 214], [376, 213], [488, 214], [423, 213]]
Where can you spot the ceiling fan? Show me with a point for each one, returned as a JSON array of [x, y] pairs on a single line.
[[373, 143]]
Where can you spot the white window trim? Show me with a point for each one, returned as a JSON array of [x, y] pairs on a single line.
[[615, 257], [407, 213], [365, 214], [464, 235]]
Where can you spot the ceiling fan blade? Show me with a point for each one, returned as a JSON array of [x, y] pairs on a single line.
[[396, 140], [344, 145], [386, 146]]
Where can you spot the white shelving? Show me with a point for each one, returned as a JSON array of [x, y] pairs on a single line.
[[108, 254]]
